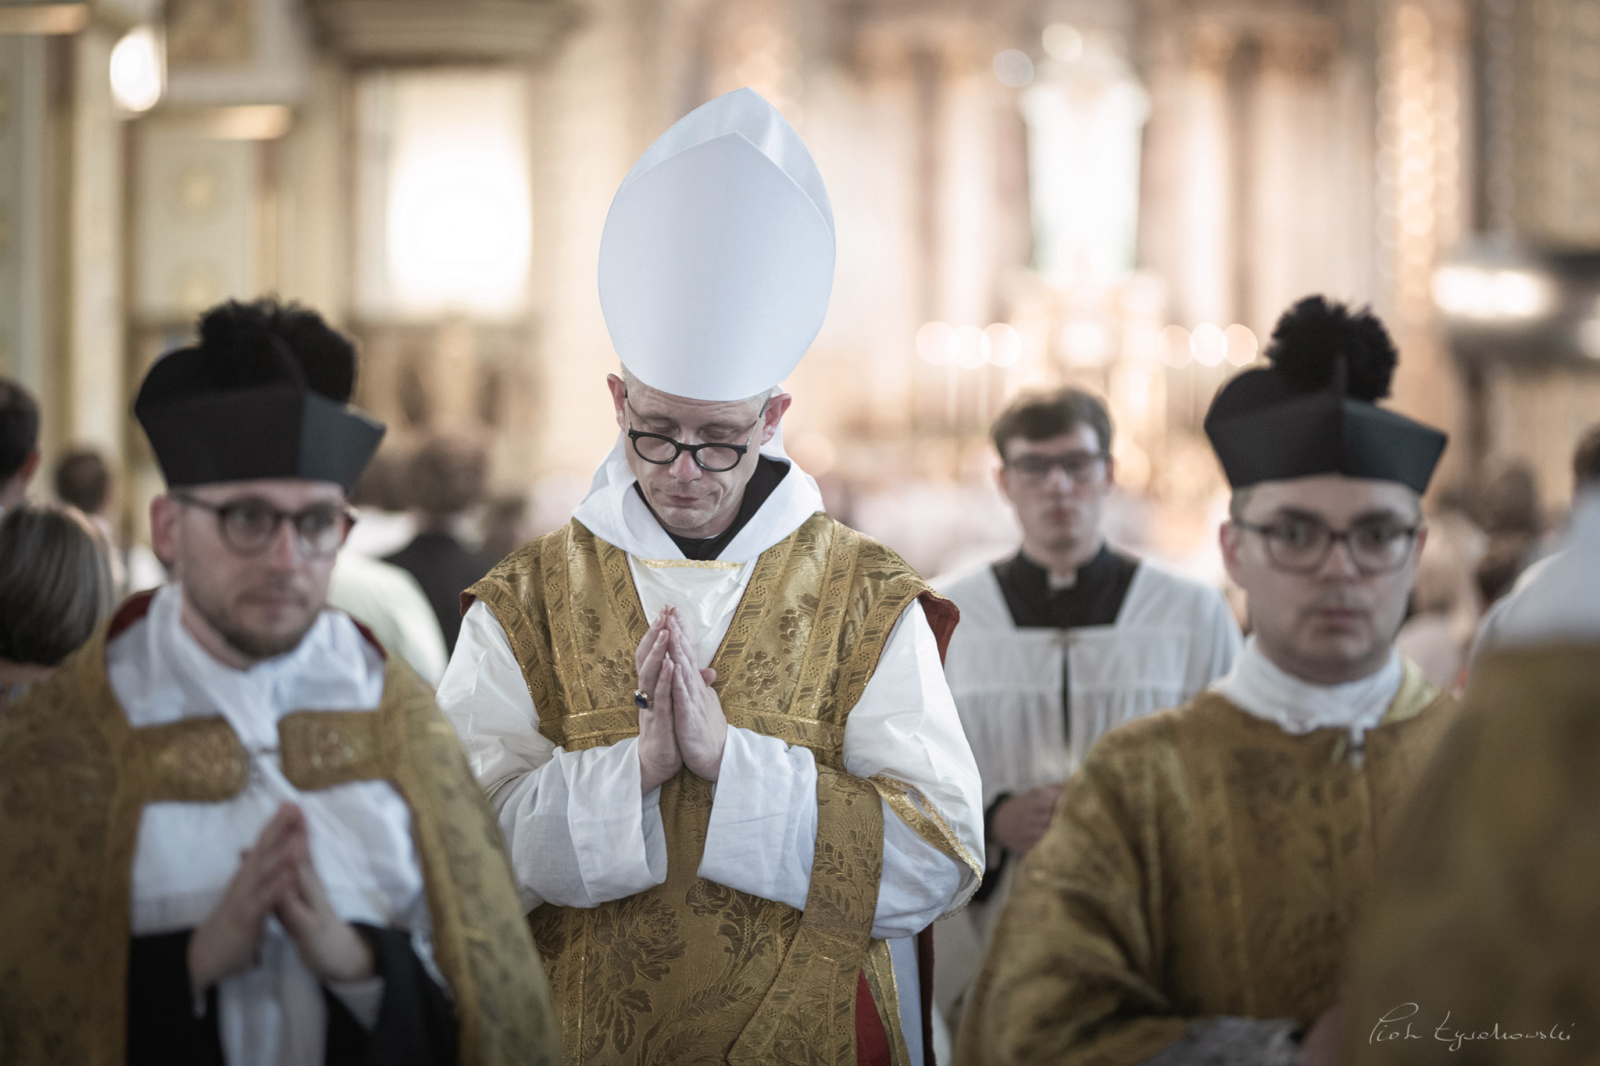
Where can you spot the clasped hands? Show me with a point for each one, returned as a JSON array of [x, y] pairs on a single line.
[[276, 877], [684, 724]]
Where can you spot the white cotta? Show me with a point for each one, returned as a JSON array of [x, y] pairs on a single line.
[[359, 833], [579, 833], [1260, 686], [1171, 639]]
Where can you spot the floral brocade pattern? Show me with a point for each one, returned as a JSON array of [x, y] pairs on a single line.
[[1487, 920], [713, 975], [1203, 862], [74, 777]]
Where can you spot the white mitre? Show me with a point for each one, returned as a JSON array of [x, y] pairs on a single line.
[[717, 256]]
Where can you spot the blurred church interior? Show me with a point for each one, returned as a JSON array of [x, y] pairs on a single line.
[[1121, 194]]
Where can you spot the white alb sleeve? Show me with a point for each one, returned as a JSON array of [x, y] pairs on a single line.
[[578, 832], [763, 830]]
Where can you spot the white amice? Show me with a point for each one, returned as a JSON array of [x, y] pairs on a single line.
[[1258, 685]]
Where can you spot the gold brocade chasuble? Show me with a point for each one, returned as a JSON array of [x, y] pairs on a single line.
[[1203, 862], [74, 779], [691, 971], [1483, 945]]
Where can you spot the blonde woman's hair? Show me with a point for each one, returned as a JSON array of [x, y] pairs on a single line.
[[55, 582]]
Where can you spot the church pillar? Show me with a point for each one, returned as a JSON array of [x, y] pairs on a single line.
[[26, 178], [95, 392], [1421, 137]]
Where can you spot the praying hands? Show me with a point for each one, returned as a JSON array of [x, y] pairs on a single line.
[[276, 877], [684, 724]]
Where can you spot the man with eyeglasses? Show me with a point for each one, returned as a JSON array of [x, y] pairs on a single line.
[[712, 719], [1061, 642], [1192, 900], [235, 831]]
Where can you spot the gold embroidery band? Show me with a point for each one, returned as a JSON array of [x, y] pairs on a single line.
[[808, 1015], [689, 564], [321, 749], [609, 725], [930, 826], [879, 969], [197, 760]]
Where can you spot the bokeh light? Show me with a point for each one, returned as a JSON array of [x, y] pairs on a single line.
[[1013, 68], [971, 347], [1005, 344], [1208, 344], [1474, 292], [1240, 344], [138, 71]]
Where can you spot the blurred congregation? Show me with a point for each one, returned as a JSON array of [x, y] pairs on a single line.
[[897, 532]]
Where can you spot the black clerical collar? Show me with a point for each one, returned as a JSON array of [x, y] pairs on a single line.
[[1093, 599], [769, 474]]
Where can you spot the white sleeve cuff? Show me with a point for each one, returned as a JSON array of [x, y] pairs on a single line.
[[579, 833], [762, 837], [610, 826], [919, 881]]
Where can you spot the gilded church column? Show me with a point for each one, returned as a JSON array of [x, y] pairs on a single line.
[[1421, 136], [61, 272], [1206, 280], [95, 409], [25, 184]]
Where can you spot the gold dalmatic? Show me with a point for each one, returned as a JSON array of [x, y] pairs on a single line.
[[1203, 862], [692, 971], [74, 778]]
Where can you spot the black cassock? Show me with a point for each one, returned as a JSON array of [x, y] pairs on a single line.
[[416, 1025]]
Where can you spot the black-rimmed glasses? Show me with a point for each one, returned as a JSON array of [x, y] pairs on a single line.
[[1303, 545], [1082, 468], [662, 450], [248, 526]]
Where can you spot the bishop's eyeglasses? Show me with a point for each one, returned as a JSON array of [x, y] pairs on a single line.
[[714, 458], [1302, 545], [248, 526]]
